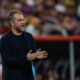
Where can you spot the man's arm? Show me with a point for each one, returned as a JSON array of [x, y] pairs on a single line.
[[34, 55], [7, 58], [38, 55]]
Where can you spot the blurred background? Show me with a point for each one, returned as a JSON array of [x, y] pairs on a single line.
[[48, 18]]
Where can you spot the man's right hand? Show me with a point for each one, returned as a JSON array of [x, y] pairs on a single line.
[[31, 56]]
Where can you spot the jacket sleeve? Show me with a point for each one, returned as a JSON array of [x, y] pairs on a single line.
[[34, 49], [9, 60]]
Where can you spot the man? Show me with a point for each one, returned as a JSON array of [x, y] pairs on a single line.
[[18, 50]]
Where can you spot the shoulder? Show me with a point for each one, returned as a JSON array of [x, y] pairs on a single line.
[[27, 34], [6, 36]]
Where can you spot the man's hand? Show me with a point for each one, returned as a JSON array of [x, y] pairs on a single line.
[[31, 56], [39, 55]]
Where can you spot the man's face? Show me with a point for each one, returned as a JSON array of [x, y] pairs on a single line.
[[18, 22]]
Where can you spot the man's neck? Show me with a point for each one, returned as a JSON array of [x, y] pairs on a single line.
[[15, 32]]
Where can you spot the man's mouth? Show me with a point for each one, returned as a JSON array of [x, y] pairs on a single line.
[[23, 25]]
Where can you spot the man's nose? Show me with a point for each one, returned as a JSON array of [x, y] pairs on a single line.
[[23, 22]]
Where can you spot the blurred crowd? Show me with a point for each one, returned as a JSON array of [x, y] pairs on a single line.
[[44, 17]]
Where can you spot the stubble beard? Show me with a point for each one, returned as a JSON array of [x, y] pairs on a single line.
[[18, 30]]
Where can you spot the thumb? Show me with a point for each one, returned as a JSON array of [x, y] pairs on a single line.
[[30, 52], [39, 49]]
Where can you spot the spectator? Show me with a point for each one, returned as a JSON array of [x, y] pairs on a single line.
[[52, 74], [5, 27], [0, 72], [34, 27]]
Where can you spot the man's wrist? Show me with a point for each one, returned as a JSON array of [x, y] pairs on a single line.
[[34, 55], [31, 57]]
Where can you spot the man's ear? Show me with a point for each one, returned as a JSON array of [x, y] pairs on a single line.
[[11, 22]]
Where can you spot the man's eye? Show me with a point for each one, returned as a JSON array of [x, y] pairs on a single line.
[[21, 20]]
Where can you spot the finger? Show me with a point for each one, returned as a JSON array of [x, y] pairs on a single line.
[[30, 51], [39, 49], [44, 52], [45, 56]]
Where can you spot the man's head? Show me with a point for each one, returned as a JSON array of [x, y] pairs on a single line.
[[16, 20]]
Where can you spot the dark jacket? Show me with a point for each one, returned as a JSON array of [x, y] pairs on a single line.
[[15, 63]]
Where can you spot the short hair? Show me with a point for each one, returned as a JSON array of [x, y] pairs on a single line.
[[11, 15]]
